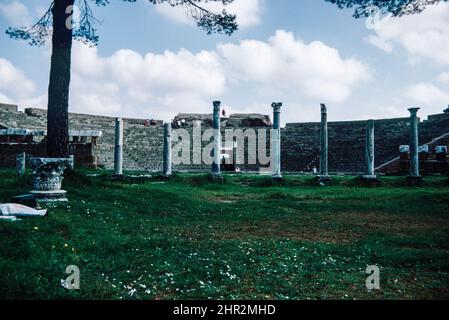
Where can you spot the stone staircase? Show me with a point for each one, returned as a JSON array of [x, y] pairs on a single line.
[[394, 165]]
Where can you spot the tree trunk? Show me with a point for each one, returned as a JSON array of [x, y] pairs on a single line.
[[58, 89]]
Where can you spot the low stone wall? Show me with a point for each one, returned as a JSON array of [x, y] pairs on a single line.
[[9, 107], [226, 129], [301, 144], [84, 153], [143, 139]]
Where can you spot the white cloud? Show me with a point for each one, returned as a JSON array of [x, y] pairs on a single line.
[[98, 97], [286, 63], [132, 84], [128, 83], [86, 62], [444, 78], [424, 35], [5, 99], [427, 94], [16, 13], [13, 81], [17, 88], [250, 73], [248, 12], [181, 71]]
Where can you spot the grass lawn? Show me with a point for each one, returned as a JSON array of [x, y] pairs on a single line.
[[249, 238]]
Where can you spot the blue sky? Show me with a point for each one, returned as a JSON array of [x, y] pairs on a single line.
[[152, 62]]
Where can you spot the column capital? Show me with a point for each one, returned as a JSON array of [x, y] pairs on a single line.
[[413, 111], [276, 106], [323, 108], [217, 105]]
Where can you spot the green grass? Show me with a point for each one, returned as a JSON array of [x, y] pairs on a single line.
[[248, 238]]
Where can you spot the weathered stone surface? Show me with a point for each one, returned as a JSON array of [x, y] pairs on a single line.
[[9, 107], [21, 163], [369, 149], [324, 148], [276, 156], [186, 119], [414, 143], [249, 120], [143, 145], [167, 150], [47, 179], [118, 151], [300, 142], [441, 149], [216, 172], [48, 173], [42, 133]]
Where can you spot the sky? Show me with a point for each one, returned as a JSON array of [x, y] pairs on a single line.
[[153, 62]]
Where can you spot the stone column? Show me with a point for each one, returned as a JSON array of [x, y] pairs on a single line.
[[167, 150], [324, 178], [48, 174], [414, 143], [323, 142], [276, 143], [72, 162], [369, 150], [216, 172], [20, 163], [118, 156]]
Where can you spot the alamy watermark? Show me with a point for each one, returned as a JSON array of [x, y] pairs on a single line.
[[239, 147], [74, 17], [373, 280], [72, 282], [374, 18]]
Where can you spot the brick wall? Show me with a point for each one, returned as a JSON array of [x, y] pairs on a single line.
[[84, 153]]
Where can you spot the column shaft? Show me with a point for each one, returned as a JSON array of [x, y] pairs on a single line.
[[369, 149], [118, 155], [323, 142], [276, 143], [20, 163], [414, 143], [217, 140], [167, 150]]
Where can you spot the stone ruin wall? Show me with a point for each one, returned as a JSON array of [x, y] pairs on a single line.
[[301, 144], [143, 145], [233, 122]]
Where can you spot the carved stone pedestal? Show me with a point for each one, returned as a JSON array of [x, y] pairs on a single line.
[[47, 180]]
